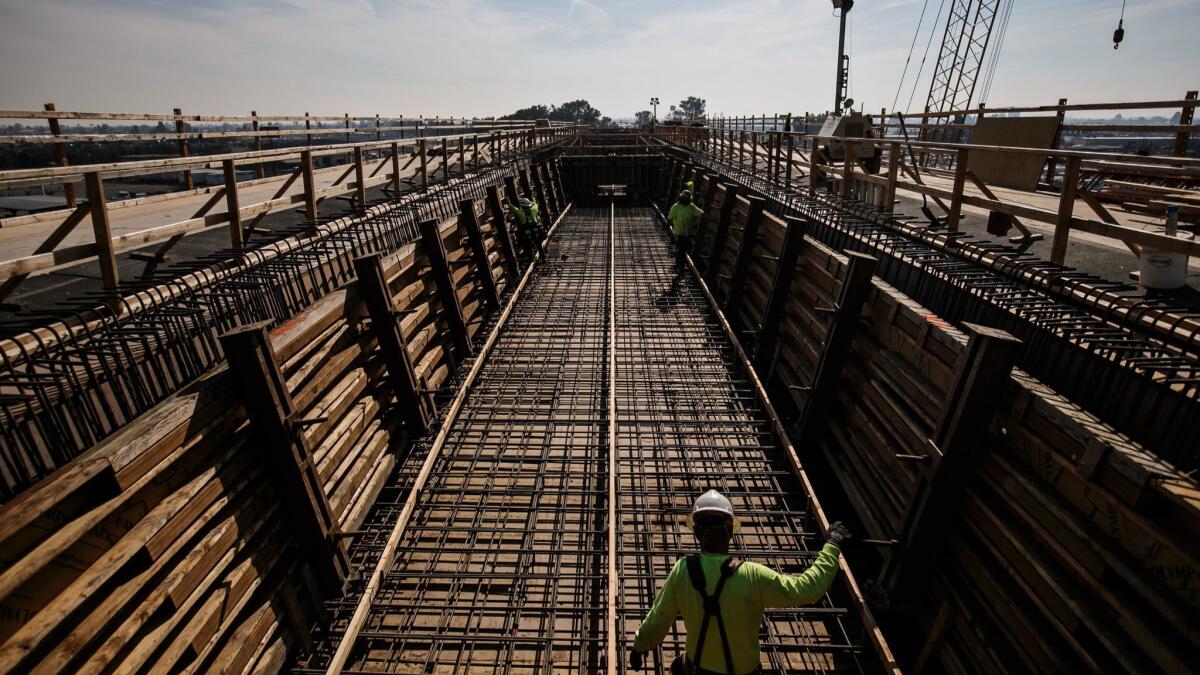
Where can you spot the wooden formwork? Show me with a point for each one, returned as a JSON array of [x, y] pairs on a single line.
[[1069, 547], [172, 545]]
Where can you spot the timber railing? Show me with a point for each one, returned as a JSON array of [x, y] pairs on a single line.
[[1006, 523], [1132, 361], [239, 202], [70, 384], [207, 533], [954, 126]]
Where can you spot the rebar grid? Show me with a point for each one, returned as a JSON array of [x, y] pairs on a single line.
[[503, 567], [500, 567], [688, 421], [1145, 385]]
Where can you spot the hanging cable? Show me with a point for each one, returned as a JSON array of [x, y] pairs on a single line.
[[908, 58], [997, 46], [925, 56]]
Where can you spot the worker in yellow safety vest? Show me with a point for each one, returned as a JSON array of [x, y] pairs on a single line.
[[712, 587], [685, 225], [530, 232]]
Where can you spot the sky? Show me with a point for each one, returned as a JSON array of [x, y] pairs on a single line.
[[485, 57]]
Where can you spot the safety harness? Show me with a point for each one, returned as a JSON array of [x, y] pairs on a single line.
[[712, 605]]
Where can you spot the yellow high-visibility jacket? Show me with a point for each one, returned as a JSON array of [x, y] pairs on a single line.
[[750, 590], [685, 219]]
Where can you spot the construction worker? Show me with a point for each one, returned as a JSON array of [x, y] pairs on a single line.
[[529, 226], [722, 599], [685, 221]]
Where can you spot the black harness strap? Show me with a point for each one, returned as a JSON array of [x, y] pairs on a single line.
[[712, 605]]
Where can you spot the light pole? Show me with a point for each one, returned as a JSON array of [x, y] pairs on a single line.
[[843, 64], [654, 104]]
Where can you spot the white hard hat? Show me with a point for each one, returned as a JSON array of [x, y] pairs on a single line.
[[713, 502]]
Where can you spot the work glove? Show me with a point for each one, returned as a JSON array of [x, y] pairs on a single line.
[[635, 659], [838, 535]]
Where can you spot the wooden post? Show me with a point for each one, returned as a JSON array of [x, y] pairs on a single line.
[[722, 234], [510, 190], [500, 225], [1052, 162], [183, 148], [893, 175], [233, 205], [558, 183], [540, 191], [958, 444], [439, 263], [1186, 114], [526, 186], [745, 253], [781, 288], [385, 326], [360, 178], [60, 155], [424, 164], [475, 148], [102, 229], [310, 186], [813, 170], [445, 159], [462, 156], [843, 324], [279, 443], [742, 150], [260, 167], [847, 167], [396, 168], [469, 220], [1066, 209], [960, 183]]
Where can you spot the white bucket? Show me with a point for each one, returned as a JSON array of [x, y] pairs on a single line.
[[1162, 270]]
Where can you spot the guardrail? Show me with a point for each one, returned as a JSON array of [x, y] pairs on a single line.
[[788, 157], [386, 163]]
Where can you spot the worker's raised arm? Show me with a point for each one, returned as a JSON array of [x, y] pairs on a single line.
[[662, 615], [786, 590]]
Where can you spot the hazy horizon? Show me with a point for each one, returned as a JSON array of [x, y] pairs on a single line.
[[490, 57]]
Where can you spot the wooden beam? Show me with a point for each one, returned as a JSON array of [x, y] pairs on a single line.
[[439, 263], [781, 287], [500, 225], [960, 184], [745, 253], [722, 234], [233, 206], [469, 220], [60, 156], [957, 446], [421, 149], [310, 187], [102, 229], [1066, 208], [385, 326], [183, 149], [360, 188], [280, 445], [837, 342]]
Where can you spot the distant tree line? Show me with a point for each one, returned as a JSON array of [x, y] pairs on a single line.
[[578, 111], [690, 109]]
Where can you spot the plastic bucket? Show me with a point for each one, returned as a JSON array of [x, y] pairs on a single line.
[[1162, 270]]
